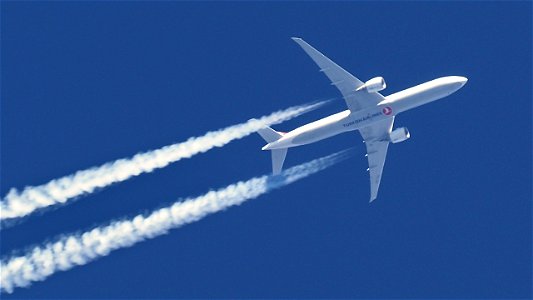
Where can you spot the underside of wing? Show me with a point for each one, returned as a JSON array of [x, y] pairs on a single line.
[[344, 81], [376, 141]]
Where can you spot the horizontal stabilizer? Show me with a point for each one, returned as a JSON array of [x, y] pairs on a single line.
[[269, 134], [278, 157]]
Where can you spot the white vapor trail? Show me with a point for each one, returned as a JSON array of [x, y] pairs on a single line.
[[18, 204], [80, 249]]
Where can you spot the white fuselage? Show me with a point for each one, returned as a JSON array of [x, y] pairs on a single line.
[[388, 108]]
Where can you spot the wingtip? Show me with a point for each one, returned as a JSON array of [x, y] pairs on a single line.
[[296, 38]]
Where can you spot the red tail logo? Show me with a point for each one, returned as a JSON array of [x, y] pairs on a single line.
[[387, 110]]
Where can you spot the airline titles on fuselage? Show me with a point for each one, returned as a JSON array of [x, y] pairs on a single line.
[[385, 111]]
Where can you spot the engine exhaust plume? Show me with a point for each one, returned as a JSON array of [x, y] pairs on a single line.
[[17, 204], [79, 249]]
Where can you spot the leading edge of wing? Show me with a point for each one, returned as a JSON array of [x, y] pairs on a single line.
[[343, 80]]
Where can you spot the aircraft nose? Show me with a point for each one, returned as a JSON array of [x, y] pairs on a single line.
[[462, 80], [457, 80], [454, 82]]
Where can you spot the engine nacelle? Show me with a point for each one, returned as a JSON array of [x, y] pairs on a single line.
[[374, 85], [399, 135]]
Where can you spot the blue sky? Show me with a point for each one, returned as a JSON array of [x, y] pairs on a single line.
[[88, 82]]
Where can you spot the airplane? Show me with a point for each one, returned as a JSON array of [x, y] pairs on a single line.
[[368, 111]]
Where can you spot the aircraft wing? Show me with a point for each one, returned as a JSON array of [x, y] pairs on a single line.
[[344, 81], [376, 142]]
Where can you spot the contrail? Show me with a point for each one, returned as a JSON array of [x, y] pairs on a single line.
[[80, 249], [19, 204]]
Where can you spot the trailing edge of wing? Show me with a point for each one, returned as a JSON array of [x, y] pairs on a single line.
[[376, 141], [377, 153]]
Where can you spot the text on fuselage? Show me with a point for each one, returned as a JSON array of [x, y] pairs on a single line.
[[365, 118]]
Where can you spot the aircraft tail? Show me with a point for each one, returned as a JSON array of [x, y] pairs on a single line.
[[269, 134], [278, 155]]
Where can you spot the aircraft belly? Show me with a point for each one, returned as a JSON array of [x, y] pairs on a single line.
[[414, 100], [316, 134]]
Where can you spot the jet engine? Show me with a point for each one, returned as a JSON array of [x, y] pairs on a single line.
[[374, 85], [399, 135]]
